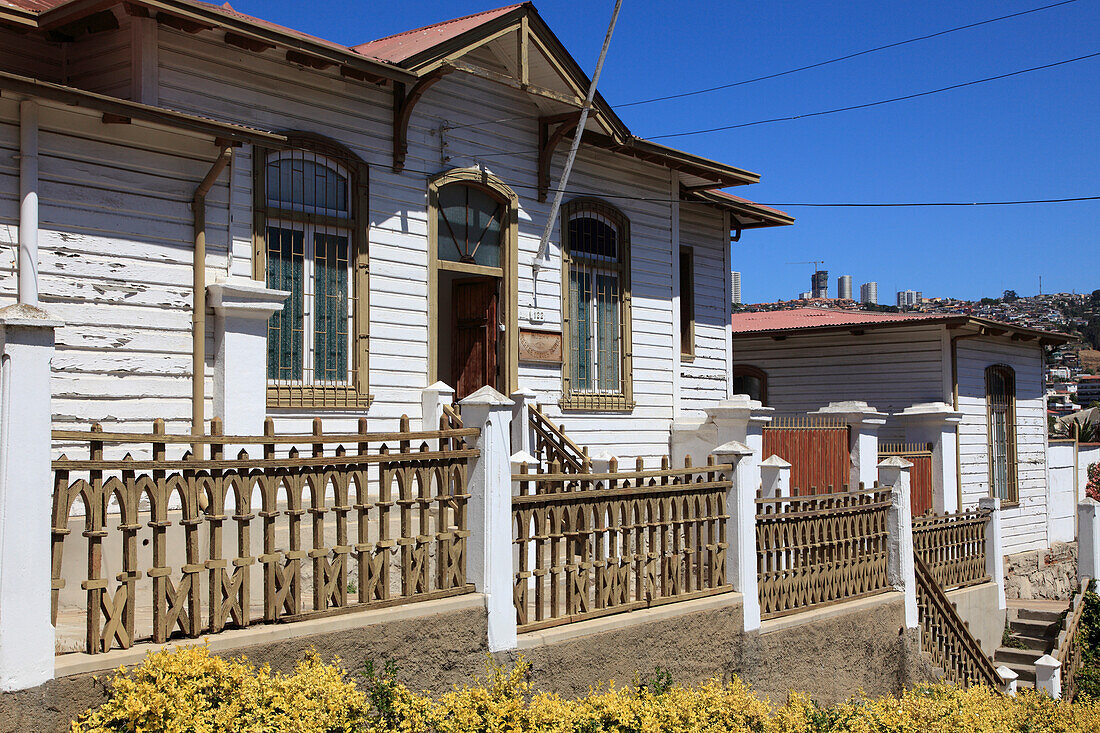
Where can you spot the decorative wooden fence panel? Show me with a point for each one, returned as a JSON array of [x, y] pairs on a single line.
[[816, 550], [920, 475], [945, 636], [607, 543], [405, 541], [552, 445], [953, 546], [817, 449], [1069, 647]]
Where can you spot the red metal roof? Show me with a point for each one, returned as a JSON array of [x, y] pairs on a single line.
[[34, 6], [400, 46], [739, 200], [799, 318]]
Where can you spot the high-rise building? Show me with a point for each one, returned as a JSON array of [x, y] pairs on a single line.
[[909, 298], [805, 296], [736, 287], [819, 284], [868, 293], [844, 287]]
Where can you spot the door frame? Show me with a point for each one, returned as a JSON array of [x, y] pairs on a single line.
[[507, 273], [495, 284]]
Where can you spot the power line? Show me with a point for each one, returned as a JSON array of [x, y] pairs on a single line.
[[875, 103], [843, 58]]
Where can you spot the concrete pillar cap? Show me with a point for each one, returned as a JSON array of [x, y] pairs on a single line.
[[774, 461], [895, 462], [486, 397], [1047, 662], [522, 456], [245, 298], [733, 448], [931, 411], [1006, 674], [439, 386], [21, 315]]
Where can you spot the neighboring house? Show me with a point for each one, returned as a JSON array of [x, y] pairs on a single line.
[[984, 376], [390, 196]]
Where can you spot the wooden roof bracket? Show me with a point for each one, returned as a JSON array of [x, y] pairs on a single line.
[[548, 142], [403, 103]]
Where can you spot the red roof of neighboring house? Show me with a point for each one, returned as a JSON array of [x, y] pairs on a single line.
[[400, 46]]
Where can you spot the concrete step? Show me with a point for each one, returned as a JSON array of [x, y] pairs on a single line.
[[1035, 614], [1040, 644], [1039, 629], [1009, 656]]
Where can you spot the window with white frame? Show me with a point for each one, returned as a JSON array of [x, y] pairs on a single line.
[[314, 248], [597, 295]]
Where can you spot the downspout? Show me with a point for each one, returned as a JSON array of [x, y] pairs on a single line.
[[28, 203], [955, 404], [198, 316]]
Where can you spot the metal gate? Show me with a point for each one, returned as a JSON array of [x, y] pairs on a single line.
[[920, 475], [817, 449]]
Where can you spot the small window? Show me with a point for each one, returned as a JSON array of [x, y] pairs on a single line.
[[687, 303], [1000, 394], [752, 381], [470, 226], [311, 242], [596, 291]]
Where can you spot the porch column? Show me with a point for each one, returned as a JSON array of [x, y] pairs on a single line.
[[935, 423], [242, 308], [739, 419], [994, 547], [900, 569], [26, 497], [864, 422], [741, 527], [489, 518]]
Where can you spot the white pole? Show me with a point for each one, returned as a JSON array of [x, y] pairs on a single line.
[[28, 202], [545, 242]]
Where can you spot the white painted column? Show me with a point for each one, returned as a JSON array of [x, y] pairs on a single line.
[[935, 423], [741, 527], [432, 399], [522, 400], [489, 549], [1088, 539], [994, 547], [901, 570], [775, 478], [26, 483], [242, 308], [1008, 680], [865, 422], [740, 420], [1048, 676], [27, 278]]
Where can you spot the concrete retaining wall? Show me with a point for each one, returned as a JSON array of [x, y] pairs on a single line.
[[977, 605]]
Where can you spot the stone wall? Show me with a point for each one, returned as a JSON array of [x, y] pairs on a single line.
[[1049, 574]]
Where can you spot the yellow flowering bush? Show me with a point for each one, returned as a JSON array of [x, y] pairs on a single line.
[[192, 690]]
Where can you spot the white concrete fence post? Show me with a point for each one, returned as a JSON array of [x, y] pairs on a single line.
[[26, 483], [432, 399], [901, 570], [1048, 676], [775, 478], [242, 308], [522, 401], [1088, 539], [994, 547], [864, 422], [935, 423], [489, 552], [1008, 680], [741, 527]]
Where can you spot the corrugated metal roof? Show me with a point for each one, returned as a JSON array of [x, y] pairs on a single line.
[[799, 318], [34, 6], [400, 46]]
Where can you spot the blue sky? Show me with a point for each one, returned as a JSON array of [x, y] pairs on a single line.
[[1030, 136]]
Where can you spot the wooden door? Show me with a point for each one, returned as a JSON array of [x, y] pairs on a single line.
[[474, 356]]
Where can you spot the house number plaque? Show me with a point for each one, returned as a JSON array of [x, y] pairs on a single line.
[[540, 346]]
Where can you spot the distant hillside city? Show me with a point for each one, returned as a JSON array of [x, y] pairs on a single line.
[[1072, 371]]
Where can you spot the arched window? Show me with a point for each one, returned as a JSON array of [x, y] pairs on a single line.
[[1000, 397], [311, 241], [752, 381], [596, 296], [471, 225]]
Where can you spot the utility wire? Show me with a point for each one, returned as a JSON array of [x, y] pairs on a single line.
[[875, 103], [843, 58]]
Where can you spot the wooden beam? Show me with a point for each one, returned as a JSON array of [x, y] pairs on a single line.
[[570, 99], [110, 118], [99, 22], [182, 24], [349, 72], [248, 44], [548, 142], [304, 59], [403, 103], [136, 11], [523, 51]]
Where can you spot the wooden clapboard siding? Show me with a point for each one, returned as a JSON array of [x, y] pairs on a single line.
[[1022, 525], [100, 62], [704, 379]]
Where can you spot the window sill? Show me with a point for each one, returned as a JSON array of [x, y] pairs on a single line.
[[596, 403], [687, 357], [318, 398]]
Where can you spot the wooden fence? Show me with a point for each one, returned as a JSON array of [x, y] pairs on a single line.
[[946, 637], [817, 550], [165, 518], [595, 544], [952, 546], [1070, 648], [920, 475], [817, 449]]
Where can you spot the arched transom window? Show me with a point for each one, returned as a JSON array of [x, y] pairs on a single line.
[[311, 200], [471, 225], [596, 291]]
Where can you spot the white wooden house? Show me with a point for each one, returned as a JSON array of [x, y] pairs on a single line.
[[972, 387], [198, 168]]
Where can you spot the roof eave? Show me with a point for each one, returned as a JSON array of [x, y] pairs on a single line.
[[948, 320]]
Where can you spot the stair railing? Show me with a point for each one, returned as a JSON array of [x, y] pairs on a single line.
[[946, 637], [552, 445], [1069, 647]]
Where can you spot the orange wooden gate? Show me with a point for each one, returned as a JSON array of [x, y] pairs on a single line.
[[817, 449], [920, 475]]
